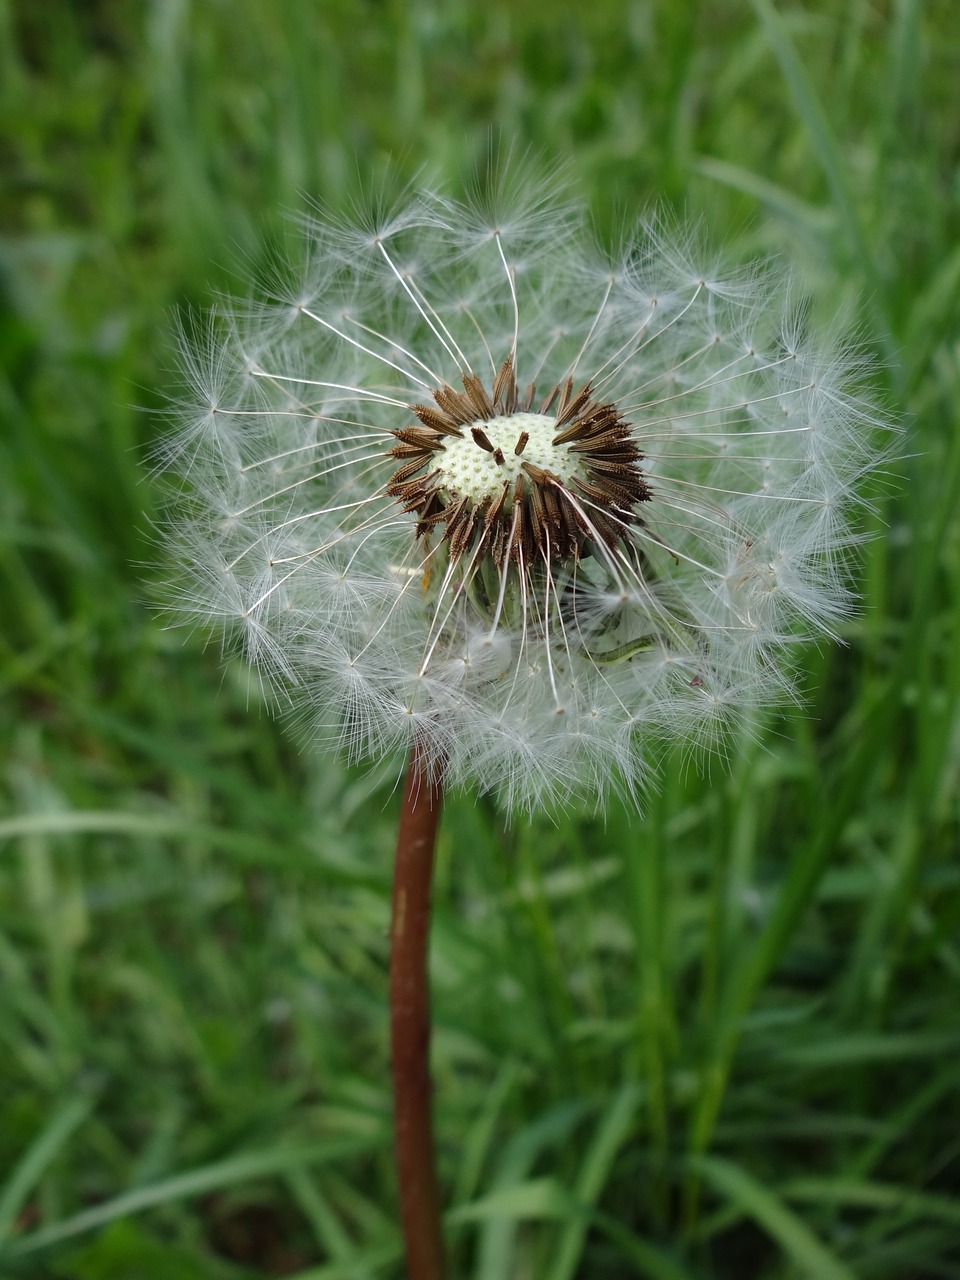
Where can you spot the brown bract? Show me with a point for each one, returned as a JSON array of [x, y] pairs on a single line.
[[537, 516]]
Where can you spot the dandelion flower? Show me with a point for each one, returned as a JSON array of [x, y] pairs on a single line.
[[474, 483], [474, 490]]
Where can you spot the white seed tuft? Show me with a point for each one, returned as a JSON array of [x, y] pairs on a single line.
[[610, 538]]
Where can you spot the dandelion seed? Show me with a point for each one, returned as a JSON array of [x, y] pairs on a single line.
[[472, 483]]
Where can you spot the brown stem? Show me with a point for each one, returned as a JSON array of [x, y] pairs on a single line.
[[410, 1019]]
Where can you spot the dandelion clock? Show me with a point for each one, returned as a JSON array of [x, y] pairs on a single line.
[[475, 492]]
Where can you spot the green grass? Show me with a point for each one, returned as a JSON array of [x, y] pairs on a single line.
[[717, 1043]]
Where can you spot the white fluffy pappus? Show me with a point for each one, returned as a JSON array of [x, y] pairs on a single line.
[[474, 481]]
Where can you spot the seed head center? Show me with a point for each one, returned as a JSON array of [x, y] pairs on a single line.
[[515, 486], [492, 453]]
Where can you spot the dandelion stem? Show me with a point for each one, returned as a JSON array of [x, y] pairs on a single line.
[[410, 1019]]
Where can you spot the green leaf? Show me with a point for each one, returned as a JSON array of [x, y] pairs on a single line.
[[30, 1169], [611, 1132], [213, 1177], [770, 1214]]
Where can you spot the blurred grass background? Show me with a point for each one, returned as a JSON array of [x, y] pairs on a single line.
[[720, 1042]]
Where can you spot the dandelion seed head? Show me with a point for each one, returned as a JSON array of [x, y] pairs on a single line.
[[468, 479]]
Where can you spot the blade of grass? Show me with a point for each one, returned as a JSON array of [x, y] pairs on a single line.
[[873, 1195], [650, 1261], [45, 1148], [364, 1261], [769, 1212], [540, 1198], [480, 1138], [654, 1004], [757, 961], [846, 1050], [611, 1132], [495, 1245], [784, 204], [213, 1177], [901, 1120], [327, 1229], [814, 119]]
